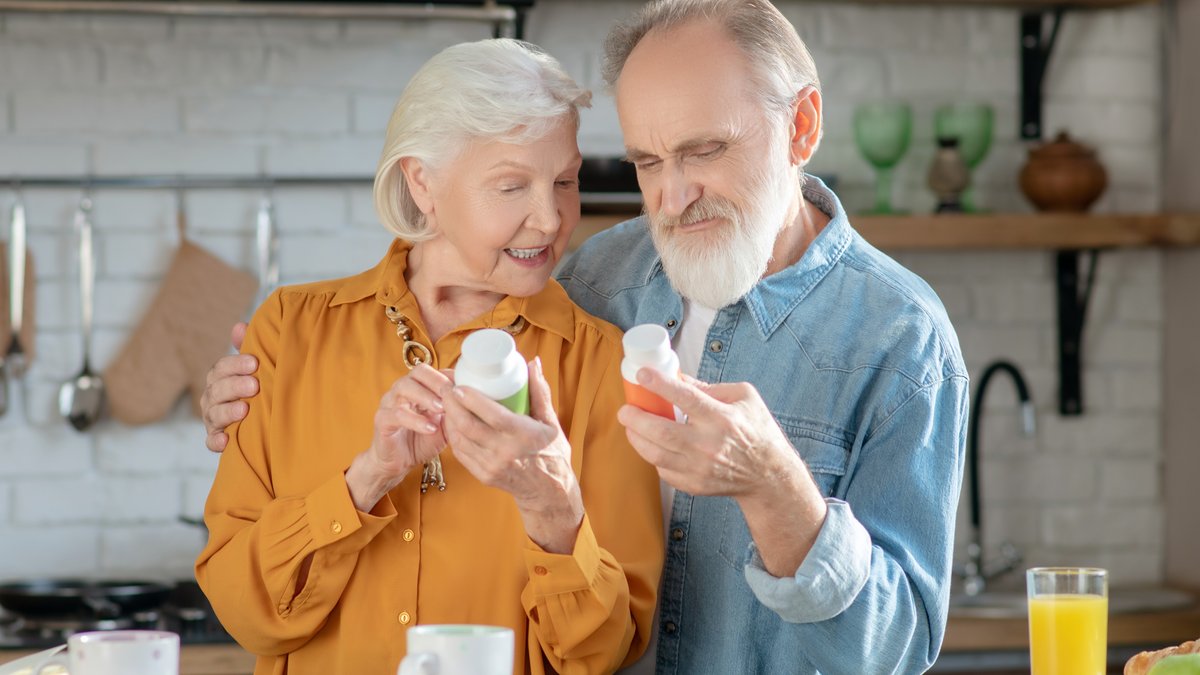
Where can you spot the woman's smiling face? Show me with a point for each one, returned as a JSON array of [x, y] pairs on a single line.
[[507, 210]]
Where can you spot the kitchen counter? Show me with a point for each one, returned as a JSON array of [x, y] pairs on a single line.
[[1134, 629], [965, 637], [223, 659], [1001, 646]]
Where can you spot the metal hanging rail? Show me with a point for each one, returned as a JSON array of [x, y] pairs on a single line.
[[173, 182], [489, 12]]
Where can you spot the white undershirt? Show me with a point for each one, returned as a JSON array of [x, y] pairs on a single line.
[[689, 344], [693, 330]]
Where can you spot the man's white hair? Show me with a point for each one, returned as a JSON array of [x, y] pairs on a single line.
[[493, 90], [780, 62]]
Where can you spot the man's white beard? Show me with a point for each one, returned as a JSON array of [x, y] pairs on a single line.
[[718, 266]]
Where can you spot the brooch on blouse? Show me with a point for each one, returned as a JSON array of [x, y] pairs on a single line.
[[415, 354]]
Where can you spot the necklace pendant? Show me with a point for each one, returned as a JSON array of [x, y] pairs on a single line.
[[416, 353], [431, 474]]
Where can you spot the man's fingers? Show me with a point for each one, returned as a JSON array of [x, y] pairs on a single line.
[[687, 396], [732, 392], [216, 441], [232, 365], [230, 389], [238, 334], [658, 431], [222, 415], [654, 453]]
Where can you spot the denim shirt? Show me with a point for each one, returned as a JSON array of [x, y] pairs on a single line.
[[857, 361]]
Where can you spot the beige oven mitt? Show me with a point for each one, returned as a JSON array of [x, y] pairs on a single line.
[[185, 330]]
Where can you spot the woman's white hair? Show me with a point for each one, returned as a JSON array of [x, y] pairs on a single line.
[[498, 89]]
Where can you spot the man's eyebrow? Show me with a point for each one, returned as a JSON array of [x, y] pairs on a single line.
[[635, 155]]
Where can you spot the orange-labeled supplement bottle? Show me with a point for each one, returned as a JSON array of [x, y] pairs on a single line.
[[649, 346]]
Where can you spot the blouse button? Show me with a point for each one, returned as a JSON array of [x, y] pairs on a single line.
[[540, 571], [408, 535], [404, 618], [336, 527]]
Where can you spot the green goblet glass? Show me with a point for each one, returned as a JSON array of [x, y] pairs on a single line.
[[882, 132], [971, 124]]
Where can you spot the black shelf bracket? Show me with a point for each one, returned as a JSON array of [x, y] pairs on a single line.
[[1036, 48], [1073, 298]]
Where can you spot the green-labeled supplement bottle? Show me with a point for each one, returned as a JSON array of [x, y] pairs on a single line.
[[491, 364]]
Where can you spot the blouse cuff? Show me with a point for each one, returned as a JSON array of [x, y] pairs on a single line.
[[556, 574], [332, 516]]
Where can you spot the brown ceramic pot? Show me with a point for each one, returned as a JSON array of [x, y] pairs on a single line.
[[1063, 175]]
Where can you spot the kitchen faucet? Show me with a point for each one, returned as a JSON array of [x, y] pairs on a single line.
[[977, 570]]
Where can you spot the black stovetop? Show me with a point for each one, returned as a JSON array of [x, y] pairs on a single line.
[[186, 612]]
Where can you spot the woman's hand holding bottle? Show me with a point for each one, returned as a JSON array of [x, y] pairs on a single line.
[[408, 433]]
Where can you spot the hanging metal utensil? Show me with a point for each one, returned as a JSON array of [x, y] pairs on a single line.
[[268, 250], [14, 361], [81, 398], [16, 223]]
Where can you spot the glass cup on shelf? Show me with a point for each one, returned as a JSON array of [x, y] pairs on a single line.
[[971, 124], [882, 132], [1068, 620]]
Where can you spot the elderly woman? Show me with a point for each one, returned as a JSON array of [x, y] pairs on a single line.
[[365, 493]]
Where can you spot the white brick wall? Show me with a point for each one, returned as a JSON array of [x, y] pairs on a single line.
[[122, 95]]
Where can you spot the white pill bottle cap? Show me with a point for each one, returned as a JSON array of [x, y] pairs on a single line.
[[648, 346], [491, 363]]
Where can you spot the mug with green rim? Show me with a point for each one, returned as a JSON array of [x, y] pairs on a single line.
[[451, 649]]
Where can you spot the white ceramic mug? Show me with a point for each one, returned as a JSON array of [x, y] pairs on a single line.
[[458, 650], [119, 652]]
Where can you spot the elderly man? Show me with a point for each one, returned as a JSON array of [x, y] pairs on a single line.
[[812, 490]]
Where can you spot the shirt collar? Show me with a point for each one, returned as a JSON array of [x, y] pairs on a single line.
[[773, 298], [549, 309]]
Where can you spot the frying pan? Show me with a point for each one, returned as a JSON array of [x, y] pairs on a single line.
[[57, 597]]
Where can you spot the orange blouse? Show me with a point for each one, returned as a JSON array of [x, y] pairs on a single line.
[[327, 354]]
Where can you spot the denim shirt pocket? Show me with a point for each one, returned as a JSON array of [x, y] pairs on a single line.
[[826, 456]]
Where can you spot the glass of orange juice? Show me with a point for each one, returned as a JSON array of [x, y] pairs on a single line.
[[1068, 620]]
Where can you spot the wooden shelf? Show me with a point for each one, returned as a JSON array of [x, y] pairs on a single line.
[[998, 231], [1038, 231]]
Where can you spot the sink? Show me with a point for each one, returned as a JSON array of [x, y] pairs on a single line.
[[1012, 604]]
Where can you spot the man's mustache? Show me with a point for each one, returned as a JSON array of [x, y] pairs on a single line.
[[704, 208]]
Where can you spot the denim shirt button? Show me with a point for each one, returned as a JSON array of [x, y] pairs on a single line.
[[672, 323], [670, 627], [715, 346], [677, 534]]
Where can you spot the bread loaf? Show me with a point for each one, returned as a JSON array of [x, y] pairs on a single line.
[[1141, 664]]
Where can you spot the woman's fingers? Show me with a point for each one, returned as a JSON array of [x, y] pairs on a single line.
[[419, 388], [541, 402], [407, 418]]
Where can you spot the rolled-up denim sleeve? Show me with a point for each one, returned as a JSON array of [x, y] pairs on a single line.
[[832, 574], [903, 494]]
